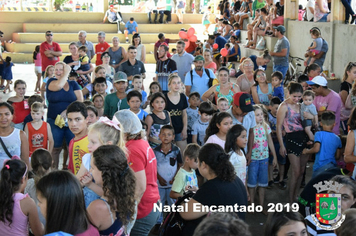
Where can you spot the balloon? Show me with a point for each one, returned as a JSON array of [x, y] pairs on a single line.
[[193, 38], [215, 46], [223, 52], [182, 35], [191, 32], [187, 43]]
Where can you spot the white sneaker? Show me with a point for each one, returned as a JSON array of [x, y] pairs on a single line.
[[127, 41], [119, 32], [122, 23]]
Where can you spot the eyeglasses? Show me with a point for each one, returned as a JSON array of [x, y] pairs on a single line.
[[49, 34]]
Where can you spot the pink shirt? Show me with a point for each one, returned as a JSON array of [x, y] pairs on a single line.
[[38, 61], [212, 66], [92, 231], [215, 139], [293, 121], [331, 102], [19, 224]]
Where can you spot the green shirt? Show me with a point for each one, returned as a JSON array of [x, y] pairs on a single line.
[[113, 104]]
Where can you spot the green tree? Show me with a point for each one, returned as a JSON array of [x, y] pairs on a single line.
[[58, 4]]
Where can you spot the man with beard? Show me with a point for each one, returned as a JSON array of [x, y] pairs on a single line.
[[132, 66], [197, 80], [183, 60], [164, 67]]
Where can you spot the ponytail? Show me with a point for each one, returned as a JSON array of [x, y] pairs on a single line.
[[11, 176], [218, 161], [41, 162]]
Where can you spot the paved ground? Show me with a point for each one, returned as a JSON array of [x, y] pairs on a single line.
[[256, 221]]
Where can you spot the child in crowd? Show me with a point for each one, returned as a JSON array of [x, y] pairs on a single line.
[[103, 132], [17, 211], [206, 21], [110, 171], [327, 145], [154, 88], [38, 67], [276, 81], [315, 47], [272, 118], [60, 198], [158, 118], [99, 85], [218, 128], [98, 101], [174, 51], [308, 106], [88, 103], [41, 162], [38, 132], [116, 101], [137, 85], [186, 179], [7, 73], [237, 31], [20, 104], [49, 73], [32, 99], [134, 99], [258, 168], [206, 112], [77, 114], [92, 114], [131, 27], [192, 113], [177, 107], [236, 141], [198, 51], [225, 60], [84, 65], [73, 76], [222, 104], [169, 160], [261, 90]]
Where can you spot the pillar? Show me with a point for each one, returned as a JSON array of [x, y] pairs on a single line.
[[291, 9]]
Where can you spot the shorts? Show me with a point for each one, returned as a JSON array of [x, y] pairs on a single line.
[[324, 18], [307, 123], [315, 52], [1, 69], [296, 142], [38, 70], [178, 137], [180, 5], [206, 22], [258, 173], [281, 160], [131, 31]]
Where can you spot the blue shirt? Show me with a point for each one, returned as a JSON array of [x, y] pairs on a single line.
[[199, 129], [131, 26], [221, 41], [142, 115], [329, 143], [200, 84], [279, 92]]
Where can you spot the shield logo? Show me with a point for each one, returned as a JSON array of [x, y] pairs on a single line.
[[328, 208]]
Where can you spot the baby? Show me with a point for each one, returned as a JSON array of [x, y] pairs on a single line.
[[308, 106], [315, 48]]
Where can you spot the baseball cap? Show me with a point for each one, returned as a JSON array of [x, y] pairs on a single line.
[[243, 100], [199, 58], [111, 5], [280, 28], [319, 80], [120, 76]]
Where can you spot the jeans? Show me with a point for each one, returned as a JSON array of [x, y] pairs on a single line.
[[164, 195], [144, 225], [322, 169], [282, 69], [89, 196], [258, 173], [60, 133], [348, 9]]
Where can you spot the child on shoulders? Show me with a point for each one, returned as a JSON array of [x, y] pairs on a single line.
[[308, 106]]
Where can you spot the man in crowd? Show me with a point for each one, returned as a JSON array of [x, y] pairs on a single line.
[[50, 52], [132, 66], [100, 47], [82, 35], [164, 67], [183, 60], [114, 18], [281, 51]]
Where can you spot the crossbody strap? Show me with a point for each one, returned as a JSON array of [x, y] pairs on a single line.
[[5, 148]]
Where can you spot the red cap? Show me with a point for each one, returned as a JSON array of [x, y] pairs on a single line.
[[111, 5]]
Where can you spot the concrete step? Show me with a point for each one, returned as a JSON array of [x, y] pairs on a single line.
[[93, 37], [95, 27], [29, 47], [83, 17], [27, 57]]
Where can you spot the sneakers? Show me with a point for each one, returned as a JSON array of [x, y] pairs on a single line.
[[119, 32], [282, 185], [270, 184], [127, 41], [122, 23], [276, 180]]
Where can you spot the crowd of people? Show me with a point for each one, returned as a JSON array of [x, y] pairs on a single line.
[[128, 149]]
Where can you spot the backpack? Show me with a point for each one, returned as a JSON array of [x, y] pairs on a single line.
[[173, 223], [210, 83]]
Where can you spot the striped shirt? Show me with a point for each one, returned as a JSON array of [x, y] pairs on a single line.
[[163, 70]]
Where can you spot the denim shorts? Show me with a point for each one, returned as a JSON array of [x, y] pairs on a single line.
[[280, 159], [178, 137], [258, 173], [324, 18]]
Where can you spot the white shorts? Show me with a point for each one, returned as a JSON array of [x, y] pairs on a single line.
[[38, 69]]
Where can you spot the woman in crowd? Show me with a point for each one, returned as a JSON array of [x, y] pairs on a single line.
[[141, 49], [245, 81], [60, 198], [15, 140], [117, 54], [345, 88], [143, 162], [261, 90], [60, 93], [288, 116], [110, 71], [222, 187], [223, 89], [209, 64], [73, 60], [285, 223], [321, 12], [258, 61], [313, 70]]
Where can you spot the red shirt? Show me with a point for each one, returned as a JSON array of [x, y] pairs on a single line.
[[158, 43], [46, 61], [141, 157], [20, 112], [37, 138], [99, 49]]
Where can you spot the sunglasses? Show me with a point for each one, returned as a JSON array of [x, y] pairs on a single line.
[[49, 34], [106, 56], [261, 75]]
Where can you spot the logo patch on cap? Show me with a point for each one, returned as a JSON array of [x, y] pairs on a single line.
[[247, 101]]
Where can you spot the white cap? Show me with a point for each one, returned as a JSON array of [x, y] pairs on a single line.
[[319, 80]]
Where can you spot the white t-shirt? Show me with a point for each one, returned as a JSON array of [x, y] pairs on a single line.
[[239, 163], [310, 15], [86, 161]]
